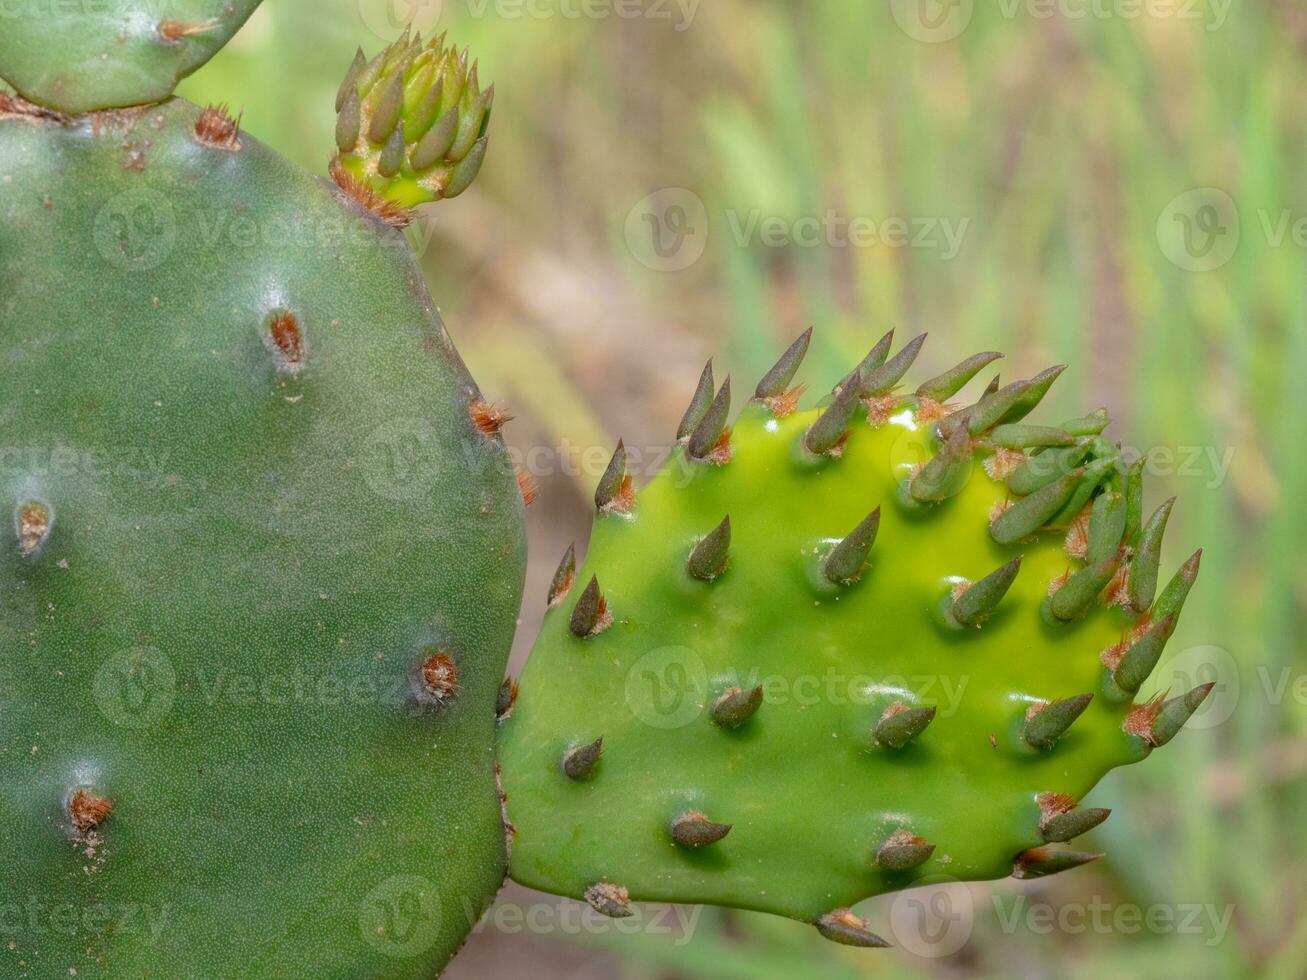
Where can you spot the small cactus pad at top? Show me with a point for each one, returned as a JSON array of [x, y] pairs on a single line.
[[884, 664], [78, 57], [410, 125]]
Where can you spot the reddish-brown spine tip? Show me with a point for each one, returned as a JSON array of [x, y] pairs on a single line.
[[526, 485]]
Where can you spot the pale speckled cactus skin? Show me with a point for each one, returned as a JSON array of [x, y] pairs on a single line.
[[792, 717]]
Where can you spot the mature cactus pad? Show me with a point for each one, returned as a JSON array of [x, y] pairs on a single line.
[[98, 54], [259, 569], [803, 666]]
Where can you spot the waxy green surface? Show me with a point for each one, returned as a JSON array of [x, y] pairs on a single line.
[[808, 793], [244, 570]]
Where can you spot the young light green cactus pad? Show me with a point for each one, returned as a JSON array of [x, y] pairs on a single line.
[[825, 653], [260, 562], [104, 54]]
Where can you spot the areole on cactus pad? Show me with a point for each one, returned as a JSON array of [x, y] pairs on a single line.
[[826, 653]]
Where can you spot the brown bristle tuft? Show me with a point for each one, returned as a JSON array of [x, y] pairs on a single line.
[[1077, 535], [786, 403], [218, 129], [624, 501], [880, 408], [1004, 463], [903, 836], [929, 410], [439, 676], [1139, 720], [1112, 656], [608, 899], [1055, 804], [721, 452], [1056, 584], [488, 417], [382, 207], [33, 527], [88, 809], [526, 485], [173, 30], [286, 340], [998, 510], [1035, 708], [1117, 592]]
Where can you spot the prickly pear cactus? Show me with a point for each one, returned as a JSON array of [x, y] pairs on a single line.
[[828, 652], [104, 54], [410, 125], [260, 562]]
